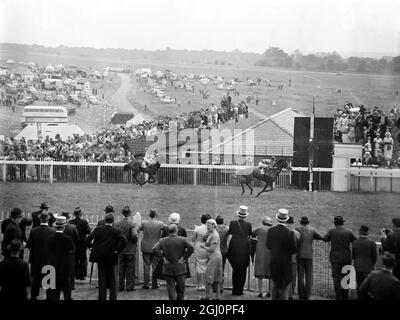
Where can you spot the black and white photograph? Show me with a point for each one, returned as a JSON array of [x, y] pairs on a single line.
[[213, 151]]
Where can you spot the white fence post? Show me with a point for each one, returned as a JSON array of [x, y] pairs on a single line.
[[195, 176], [98, 174], [4, 172], [51, 172]]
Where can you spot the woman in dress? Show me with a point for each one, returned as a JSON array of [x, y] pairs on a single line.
[[377, 144], [239, 250], [213, 274], [388, 148], [262, 265], [200, 254]]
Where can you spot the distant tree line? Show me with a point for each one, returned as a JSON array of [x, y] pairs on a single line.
[[276, 57]]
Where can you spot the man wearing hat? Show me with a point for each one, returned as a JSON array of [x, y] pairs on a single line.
[[71, 231], [127, 257], [305, 257], [381, 284], [14, 275], [83, 229], [44, 208], [12, 231], [281, 241], [364, 252], [106, 242], [60, 248], [297, 235], [340, 255], [238, 253], [175, 250], [391, 243], [38, 248], [108, 210]]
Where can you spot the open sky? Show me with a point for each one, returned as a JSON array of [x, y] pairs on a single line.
[[247, 25]]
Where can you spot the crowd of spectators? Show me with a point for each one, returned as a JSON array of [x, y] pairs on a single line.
[[110, 145], [281, 252], [377, 131]]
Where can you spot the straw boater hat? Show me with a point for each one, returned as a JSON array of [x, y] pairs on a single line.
[[282, 215], [267, 221], [60, 221], [242, 212], [174, 218]]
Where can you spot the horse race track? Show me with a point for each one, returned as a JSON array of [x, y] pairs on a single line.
[[374, 209]]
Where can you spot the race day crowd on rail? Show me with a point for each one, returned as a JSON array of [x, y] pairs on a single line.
[[280, 248]]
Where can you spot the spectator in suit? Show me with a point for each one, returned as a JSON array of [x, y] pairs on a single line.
[[71, 231], [262, 264], [44, 208], [83, 229], [174, 250], [60, 248], [151, 229], [239, 250], [281, 241], [12, 232], [340, 254], [391, 243], [25, 222], [14, 275], [222, 230], [38, 252], [106, 243], [297, 235], [108, 210], [127, 257], [364, 252], [381, 284], [305, 257]]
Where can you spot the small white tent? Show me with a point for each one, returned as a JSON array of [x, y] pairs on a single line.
[[30, 132], [138, 119]]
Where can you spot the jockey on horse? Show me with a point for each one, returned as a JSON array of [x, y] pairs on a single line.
[[266, 165], [149, 158]]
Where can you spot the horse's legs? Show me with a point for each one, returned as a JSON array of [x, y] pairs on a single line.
[[242, 188], [251, 189], [263, 190]]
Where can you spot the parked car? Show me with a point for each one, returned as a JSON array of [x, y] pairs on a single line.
[[93, 100], [167, 100], [25, 102]]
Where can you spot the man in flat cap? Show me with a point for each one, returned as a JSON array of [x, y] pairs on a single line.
[[340, 255]]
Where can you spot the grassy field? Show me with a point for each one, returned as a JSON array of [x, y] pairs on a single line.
[[374, 209], [370, 90]]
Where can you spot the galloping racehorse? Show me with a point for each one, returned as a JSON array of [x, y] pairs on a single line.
[[136, 167], [247, 175]]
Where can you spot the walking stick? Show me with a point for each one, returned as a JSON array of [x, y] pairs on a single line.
[[91, 273]]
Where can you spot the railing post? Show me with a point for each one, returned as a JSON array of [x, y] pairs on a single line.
[[4, 172], [371, 182], [51, 172], [195, 176], [98, 174]]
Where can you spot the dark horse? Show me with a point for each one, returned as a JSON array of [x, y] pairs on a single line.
[[247, 175], [136, 167]]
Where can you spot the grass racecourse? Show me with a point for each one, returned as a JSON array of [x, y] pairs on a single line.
[[373, 209]]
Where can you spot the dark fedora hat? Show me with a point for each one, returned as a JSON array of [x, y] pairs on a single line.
[[304, 220], [364, 230], [44, 205], [77, 211], [109, 209], [338, 220], [16, 213], [126, 211], [396, 222]]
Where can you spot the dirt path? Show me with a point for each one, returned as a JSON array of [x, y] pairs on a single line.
[[120, 98]]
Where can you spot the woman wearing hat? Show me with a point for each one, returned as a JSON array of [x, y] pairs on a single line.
[[262, 265], [239, 249], [213, 272], [200, 254], [388, 148]]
